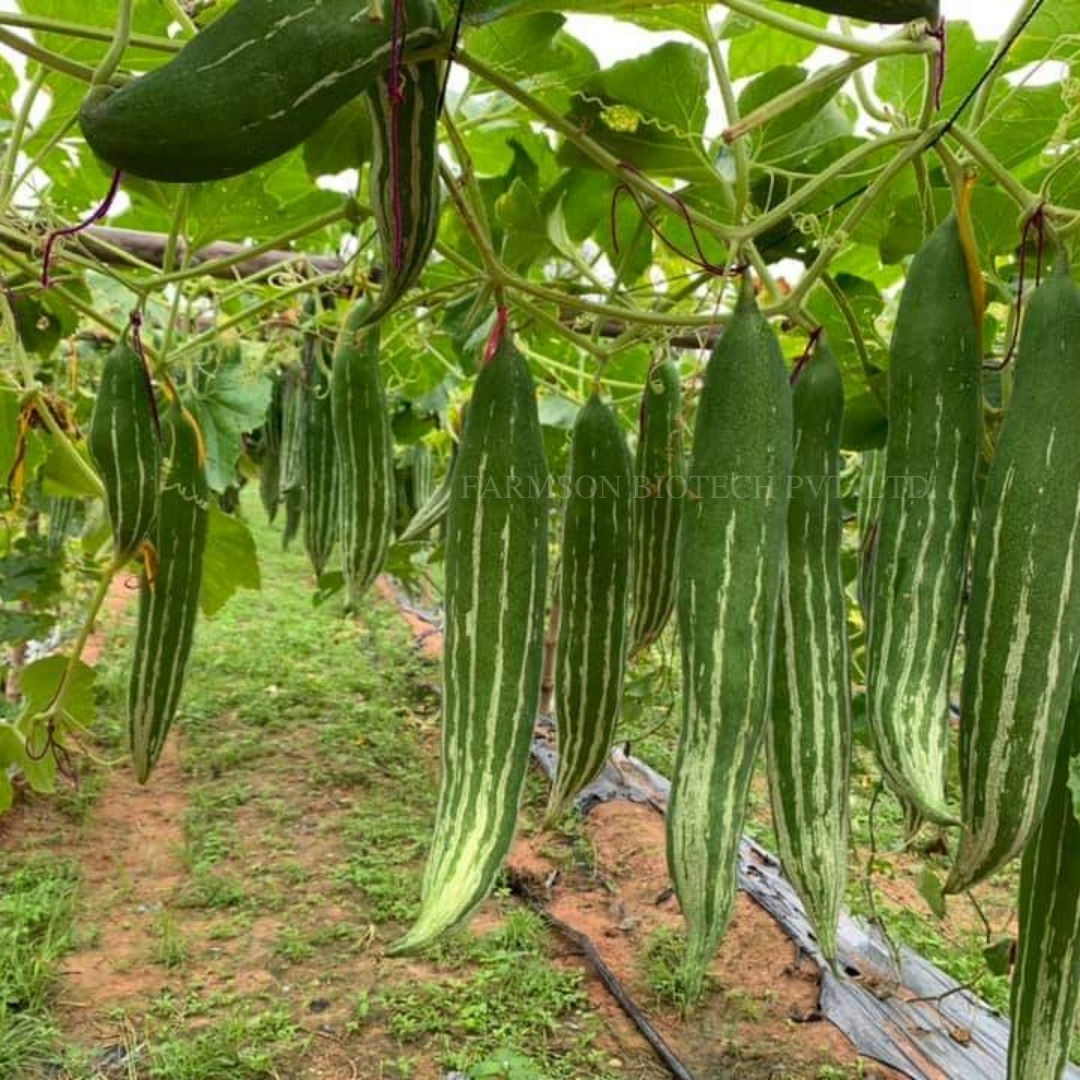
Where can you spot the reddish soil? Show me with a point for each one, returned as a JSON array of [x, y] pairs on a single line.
[[131, 851]]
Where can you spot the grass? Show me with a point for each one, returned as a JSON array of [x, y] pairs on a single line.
[[307, 751], [36, 911], [308, 755]]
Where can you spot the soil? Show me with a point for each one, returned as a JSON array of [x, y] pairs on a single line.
[[760, 1021]]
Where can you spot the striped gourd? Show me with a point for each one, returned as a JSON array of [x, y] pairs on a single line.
[[809, 732], [868, 510], [730, 558], [320, 470], [661, 470], [496, 580], [252, 85], [270, 469], [1022, 632], [291, 483], [421, 482], [65, 518], [405, 176], [294, 513], [594, 596], [1046, 982], [921, 541], [124, 444], [365, 455], [879, 11], [431, 513], [169, 591]]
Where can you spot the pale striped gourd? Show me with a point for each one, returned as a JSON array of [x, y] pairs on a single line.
[[596, 567], [496, 584], [365, 455], [1022, 633], [661, 474], [809, 732], [921, 542], [169, 591], [733, 539]]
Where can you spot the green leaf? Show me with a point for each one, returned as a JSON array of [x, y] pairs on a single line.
[[67, 471], [231, 561], [999, 956], [669, 85], [227, 403], [901, 80], [758, 48], [929, 886], [343, 142], [40, 680]]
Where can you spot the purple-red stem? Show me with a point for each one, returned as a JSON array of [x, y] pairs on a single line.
[[73, 230]]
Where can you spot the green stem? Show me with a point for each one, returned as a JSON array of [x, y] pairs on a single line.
[[49, 25], [18, 132], [71, 299], [323, 221], [550, 321], [893, 46], [840, 237], [1025, 199], [208, 337], [175, 9], [42, 408], [848, 314], [168, 261], [589, 147], [731, 115], [982, 99], [467, 178], [50, 59], [73, 257], [102, 590], [494, 269], [764, 222], [51, 143], [105, 70], [823, 81]]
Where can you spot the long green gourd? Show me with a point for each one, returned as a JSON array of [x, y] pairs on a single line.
[[496, 585], [661, 470], [921, 544], [292, 454], [879, 11], [808, 737], [868, 511], [169, 591], [596, 567], [365, 454], [270, 469], [432, 512], [251, 86], [733, 539], [320, 466], [1046, 982], [405, 176], [124, 444], [1022, 633]]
